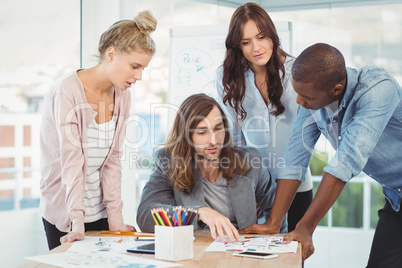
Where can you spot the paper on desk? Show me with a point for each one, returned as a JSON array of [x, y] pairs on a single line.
[[93, 260], [269, 244], [92, 244]]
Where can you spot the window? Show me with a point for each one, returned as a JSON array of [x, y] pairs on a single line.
[[373, 37], [43, 42]]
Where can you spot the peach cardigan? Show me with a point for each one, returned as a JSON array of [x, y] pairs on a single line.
[[66, 115]]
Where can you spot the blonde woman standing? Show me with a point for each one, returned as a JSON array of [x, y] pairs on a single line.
[[82, 132]]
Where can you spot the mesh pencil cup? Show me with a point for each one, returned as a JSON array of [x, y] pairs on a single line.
[[174, 243]]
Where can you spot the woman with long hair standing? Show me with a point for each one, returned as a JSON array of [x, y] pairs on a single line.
[[82, 132], [255, 91]]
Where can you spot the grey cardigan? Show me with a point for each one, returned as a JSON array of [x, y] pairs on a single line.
[[244, 191]]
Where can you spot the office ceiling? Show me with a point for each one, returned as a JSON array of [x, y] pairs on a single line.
[[277, 5]]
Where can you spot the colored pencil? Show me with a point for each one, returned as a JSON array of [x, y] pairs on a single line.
[[164, 217], [183, 220], [153, 216], [179, 216], [158, 216], [138, 234]]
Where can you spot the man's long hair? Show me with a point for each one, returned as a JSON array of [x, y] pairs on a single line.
[[235, 64], [179, 144]]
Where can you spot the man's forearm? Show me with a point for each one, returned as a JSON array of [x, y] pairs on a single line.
[[328, 192], [285, 193]]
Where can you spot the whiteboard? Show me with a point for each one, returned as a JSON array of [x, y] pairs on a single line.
[[196, 53]]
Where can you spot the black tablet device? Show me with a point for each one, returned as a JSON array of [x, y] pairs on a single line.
[[147, 249]]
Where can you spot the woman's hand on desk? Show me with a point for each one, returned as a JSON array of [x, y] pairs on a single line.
[[71, 237], [218, 224], [121, 227], [127, 228]]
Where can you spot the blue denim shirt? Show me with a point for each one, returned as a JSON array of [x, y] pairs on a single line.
[[366, 131]]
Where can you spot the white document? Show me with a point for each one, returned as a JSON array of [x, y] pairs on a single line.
[[92, 244], [92, 260], [257, 243], [101, 252]]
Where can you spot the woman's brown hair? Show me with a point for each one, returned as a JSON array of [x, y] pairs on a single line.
[[235, 64], [180, 146]]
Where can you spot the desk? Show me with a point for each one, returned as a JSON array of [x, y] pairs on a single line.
[[204, 259]]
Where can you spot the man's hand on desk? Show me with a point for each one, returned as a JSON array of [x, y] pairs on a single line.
[[304, 236], [71, 237], [218, 224], [259, 229], [267, 228]]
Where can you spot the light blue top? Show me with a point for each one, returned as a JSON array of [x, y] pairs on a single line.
[[260, 129], [366, 131]]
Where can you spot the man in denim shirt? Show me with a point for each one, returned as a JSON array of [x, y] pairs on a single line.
[[360, 113]]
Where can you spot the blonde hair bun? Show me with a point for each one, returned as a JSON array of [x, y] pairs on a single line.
[[145, 22], [126, 35]]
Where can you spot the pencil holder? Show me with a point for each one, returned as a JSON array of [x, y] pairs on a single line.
[[174, 243]]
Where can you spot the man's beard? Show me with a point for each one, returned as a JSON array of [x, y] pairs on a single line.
[[209, 159]]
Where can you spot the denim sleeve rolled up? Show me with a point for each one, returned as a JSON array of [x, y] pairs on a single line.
[[365, 131], [363, 128]]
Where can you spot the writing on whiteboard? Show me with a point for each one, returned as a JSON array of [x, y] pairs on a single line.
[[193, 59]]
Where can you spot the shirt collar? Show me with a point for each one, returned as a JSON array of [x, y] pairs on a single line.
[[351, 84]]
